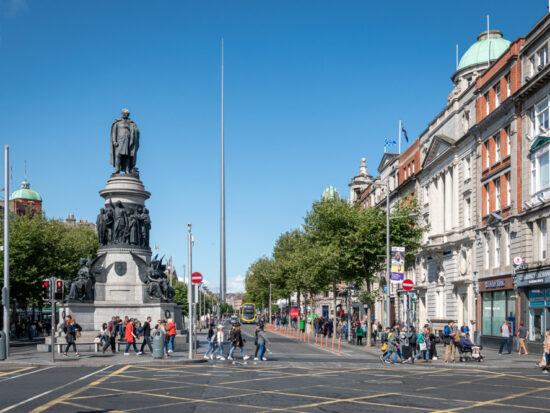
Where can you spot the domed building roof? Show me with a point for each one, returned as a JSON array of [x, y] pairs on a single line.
[[330, 194], [26, 193], [478, 53]]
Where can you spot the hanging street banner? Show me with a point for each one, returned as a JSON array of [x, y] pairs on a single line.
[[397, 264]]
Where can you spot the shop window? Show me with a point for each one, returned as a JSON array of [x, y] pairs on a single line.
[[486, 320]]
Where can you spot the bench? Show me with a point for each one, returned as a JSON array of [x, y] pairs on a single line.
[[61, 345]]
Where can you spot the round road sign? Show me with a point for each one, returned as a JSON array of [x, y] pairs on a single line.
[[408, 285], [196, 278], [518, 260]]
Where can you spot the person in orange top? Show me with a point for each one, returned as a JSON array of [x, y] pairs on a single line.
[[130, 337], [171, 331]]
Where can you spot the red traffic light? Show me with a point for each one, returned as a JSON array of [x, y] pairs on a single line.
[[46, 283], [59, 284]]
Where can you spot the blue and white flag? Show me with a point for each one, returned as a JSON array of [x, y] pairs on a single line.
[[404, 132], [389, 142]]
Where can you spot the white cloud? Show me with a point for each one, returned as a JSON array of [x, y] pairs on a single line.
[[236, 284]]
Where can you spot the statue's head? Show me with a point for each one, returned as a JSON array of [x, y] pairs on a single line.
[[119, 204], [102, 210], [146, 211], [83, 261], [125, 113], [130, 211], [139, 209]]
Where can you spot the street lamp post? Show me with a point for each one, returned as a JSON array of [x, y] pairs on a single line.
[[190, 290]]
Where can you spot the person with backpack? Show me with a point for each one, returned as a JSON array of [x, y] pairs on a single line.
[[112, 331], [211, 338], [450, 336]]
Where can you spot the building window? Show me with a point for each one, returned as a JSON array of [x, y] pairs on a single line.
[[487, 255], [508, 90], [467, 167], [541, 116], [497, 148], [532, 65], [497, 95], [507, 245], [543, 239], [540, 172], [496, 237], [508, 189], [487, 200], [542, 57], [487, 157], [508, 141], [467, 213], [487, 103], [497, 193], [413, 166]]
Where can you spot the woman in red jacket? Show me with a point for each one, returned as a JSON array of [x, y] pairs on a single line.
[[171, 331], [130, 337]]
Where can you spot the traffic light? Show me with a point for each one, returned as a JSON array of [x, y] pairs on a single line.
[[59, 289], [46, 290]]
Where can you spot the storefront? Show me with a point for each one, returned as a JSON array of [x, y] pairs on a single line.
[[535, 287], [498, 303]]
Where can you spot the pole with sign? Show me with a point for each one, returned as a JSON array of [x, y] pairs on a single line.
[[190, 291]]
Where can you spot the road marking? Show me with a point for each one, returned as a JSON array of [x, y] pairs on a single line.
[[47, 405], [24, 374], [7, 373]]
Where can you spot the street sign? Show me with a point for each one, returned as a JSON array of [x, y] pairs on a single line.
[[196, 278], [408, 285], [518, 260]]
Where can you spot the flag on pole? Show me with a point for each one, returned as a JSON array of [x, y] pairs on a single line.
[[389, 142], [404, 132]]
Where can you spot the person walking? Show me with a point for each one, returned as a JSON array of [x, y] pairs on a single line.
[[546, 356], [130, 337], [146, 330], [237, 341], [211, 337], [262, 340], [404, 345], [256, 341], [450, 334], [72, 331], [391, 348], [112, 330], [218, 352], [432, 343], [523, 334], [171, 329], [423, 340], [505, 333], [359, 334]]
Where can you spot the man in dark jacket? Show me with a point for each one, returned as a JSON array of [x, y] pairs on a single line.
[[112, 330], [146, 330], [236, 339]]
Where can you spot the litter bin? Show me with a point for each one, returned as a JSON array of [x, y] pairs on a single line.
[[3, 345], [158, 345], [302, 325]]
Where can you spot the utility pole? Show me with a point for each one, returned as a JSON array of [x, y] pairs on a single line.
[[388, 258], [190, 290], [269, 321], [52, 296], [222, 212], [6, 289]]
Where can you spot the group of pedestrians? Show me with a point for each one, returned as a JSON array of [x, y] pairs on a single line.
[[407, 345], [216, 340], [128, 330]]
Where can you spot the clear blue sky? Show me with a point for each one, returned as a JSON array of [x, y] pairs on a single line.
[[310, 88]]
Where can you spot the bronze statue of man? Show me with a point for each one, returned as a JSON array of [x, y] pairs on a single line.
[[124, 143]]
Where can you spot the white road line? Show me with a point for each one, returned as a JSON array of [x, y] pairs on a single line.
[[24, 374], [13, 406]]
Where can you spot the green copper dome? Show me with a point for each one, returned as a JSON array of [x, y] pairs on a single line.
[[330, 194], [479, 51], [26, 193]]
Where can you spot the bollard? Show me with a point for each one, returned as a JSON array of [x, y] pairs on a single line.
[[332, 346], [3, 345], [308, 335], [315, 339], [339, 341], [326, 343]]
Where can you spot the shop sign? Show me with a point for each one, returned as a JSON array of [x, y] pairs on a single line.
[[495, 284], [533, 278]]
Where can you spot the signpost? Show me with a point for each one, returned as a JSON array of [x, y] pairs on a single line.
[[408, 285], [196, 278]]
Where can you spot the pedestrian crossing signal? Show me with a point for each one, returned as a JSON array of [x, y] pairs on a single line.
[[59, 289]]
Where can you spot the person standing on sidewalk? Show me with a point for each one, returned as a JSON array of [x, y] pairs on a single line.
[[146, 329], [523, 334], [505, 333], [171, 330], [450, 334]]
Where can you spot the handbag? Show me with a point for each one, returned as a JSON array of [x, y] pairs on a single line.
[[384, 347], [423, 346], [77, 333]]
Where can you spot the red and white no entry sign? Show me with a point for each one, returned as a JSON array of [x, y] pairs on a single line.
[[408, 285], [196, 278]]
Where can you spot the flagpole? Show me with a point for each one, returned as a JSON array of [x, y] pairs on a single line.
[[399, 137], [222, 217], [489, 40]]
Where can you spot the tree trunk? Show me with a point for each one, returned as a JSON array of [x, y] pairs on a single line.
[[369, 316], [298, 302], [334, 300], [312, 305]]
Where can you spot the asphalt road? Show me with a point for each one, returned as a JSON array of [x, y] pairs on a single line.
[[296, 378]]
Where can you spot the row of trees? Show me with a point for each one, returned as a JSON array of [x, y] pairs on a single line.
[[337, 243], [41, 248]]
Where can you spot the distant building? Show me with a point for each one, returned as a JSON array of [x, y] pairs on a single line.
[[25, 199], [72, 222]]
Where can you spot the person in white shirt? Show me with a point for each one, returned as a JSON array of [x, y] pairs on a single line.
[[218, 353], [505, 334]]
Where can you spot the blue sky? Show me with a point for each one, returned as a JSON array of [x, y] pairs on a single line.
[[310, 88]]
